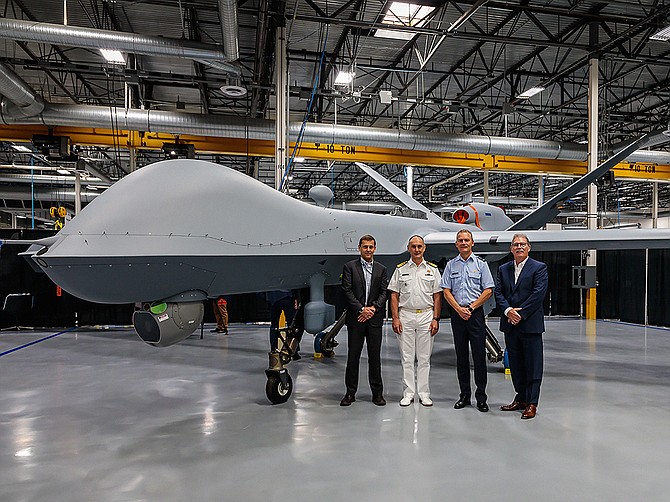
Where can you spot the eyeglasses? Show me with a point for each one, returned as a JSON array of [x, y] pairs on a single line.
[[519, 245]]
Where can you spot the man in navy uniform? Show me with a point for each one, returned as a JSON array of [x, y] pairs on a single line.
[[519, 292]]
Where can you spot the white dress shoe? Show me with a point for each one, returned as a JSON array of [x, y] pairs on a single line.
[[406, 401], [426, 401]]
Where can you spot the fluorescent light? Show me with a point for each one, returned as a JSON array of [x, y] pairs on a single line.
[[530, 92], [63, 171], [299, 159], [663, 35], [363, 193], [344, 77], [113, 56], [21, 148]]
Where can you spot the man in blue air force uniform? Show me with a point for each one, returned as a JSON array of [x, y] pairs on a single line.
[[468, 283]]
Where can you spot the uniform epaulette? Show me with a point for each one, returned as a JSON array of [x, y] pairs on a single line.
[[400, 264], [431, 263]]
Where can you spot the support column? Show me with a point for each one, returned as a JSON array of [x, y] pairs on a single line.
[[77, 193], [592, 190], [281, 104], [410, 180], [132, 158], [486, 187], [654, 204]]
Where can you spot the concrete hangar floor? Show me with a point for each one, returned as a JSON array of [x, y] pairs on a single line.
[[98, 415]]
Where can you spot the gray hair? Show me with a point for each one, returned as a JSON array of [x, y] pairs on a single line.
[[521, 236]]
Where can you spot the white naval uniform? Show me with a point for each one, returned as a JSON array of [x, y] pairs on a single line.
[[416, 285]]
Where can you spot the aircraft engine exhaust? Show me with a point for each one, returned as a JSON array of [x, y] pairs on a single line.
[[167, 323]]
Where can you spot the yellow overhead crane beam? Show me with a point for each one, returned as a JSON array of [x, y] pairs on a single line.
[[334, 152]]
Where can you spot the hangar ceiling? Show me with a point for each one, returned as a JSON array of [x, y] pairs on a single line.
[[454, 68]]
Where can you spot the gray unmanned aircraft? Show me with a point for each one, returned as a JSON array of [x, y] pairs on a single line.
[[178, 232]]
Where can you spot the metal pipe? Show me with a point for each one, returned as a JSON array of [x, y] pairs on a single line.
[[76, 36], [47, 194], [23, 100], [228, 18], [261, 129]]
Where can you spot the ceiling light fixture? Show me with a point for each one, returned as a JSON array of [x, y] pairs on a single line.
[[530, 92], [662, 35], [344, 77], [113, 56], [22, 149]]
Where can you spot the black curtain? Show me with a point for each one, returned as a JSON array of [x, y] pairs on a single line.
[[659, 287], [621, 278]]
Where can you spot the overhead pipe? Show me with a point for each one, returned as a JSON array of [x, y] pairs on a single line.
[[48, 179], [261, 129], [18, 92], [228, 18], [90, 38], [45, 194]]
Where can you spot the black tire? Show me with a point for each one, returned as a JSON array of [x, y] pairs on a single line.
[[276, 392], [317, 343]]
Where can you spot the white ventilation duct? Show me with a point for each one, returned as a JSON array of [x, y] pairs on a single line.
[[228, 18], [22, 99], [260, 129], [76, 36]]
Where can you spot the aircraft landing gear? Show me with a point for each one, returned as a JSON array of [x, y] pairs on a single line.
[[279, 386], [324, 341], [494, 351]]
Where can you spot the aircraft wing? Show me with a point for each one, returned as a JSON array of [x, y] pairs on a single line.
[[560, 240]]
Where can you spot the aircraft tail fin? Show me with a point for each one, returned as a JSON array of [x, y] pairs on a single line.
[[550, 209], [406, 199]]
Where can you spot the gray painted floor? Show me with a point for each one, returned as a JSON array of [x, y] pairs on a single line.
[[98, 415]]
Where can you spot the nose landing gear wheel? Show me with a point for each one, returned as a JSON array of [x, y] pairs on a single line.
[[277, 391]]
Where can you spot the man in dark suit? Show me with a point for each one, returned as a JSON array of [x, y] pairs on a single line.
[[364, 282], [519, 292]]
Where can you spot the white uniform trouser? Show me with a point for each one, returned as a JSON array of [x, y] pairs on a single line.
[[415, 344]]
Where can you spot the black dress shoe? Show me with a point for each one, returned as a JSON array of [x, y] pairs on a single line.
[[297, 357], [379, 400], [482, 406], [462, 403], [347, 400]]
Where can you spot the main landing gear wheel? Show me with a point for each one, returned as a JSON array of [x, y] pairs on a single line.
[[278, 387], [320, 347]]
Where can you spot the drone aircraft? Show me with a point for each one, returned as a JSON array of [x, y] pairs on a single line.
[[178, 232]]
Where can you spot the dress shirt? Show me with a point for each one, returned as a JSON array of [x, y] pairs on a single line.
[[518, 267], [367, 272], [467, 279]]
